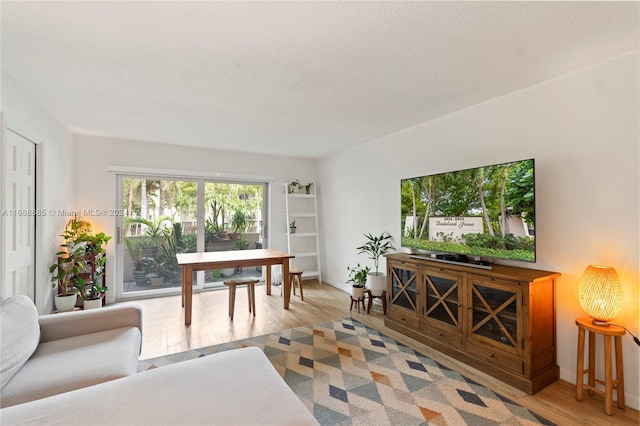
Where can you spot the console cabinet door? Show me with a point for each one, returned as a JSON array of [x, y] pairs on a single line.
[[494, 328], [403, 293], [442, 309]]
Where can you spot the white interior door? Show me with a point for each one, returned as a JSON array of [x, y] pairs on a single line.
[[18, 215]]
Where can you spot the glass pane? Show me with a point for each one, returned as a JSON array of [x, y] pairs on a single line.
[[436, 288], [406, 293], [487, 301], [159, 222], [233, 221]]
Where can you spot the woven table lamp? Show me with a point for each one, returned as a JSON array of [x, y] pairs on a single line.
[[600, 293]]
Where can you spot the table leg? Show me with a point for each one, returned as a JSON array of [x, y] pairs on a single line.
[[592, 363], [608, 375], [187, 276], [268, 279], [286, 282], [182, 284], [619, 372], [580, 366]]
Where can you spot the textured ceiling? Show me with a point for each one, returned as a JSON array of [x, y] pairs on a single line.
[[299, 78]]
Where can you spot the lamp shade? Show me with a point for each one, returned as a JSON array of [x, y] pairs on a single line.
[[600, 293]]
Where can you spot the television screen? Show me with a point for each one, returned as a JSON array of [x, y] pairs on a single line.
[[483, 212]]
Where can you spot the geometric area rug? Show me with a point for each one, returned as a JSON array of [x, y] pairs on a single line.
[[347, 373]]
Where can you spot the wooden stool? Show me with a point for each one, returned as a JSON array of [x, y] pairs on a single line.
[[609, 382], [383, 296], [251, 293], [295, 275]]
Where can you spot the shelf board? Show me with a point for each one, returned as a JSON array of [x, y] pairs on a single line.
[[301, 195], [306, 254], [303, 234], [302, 215]]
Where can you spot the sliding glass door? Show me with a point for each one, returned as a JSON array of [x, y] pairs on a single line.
[[165, 216]]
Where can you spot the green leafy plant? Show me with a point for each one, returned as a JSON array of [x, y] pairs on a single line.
[[239, 221], [376, 247], [294, 185], [357, 275], [70, 263], [307, 188]]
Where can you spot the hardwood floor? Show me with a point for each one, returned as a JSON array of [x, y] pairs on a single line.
[[164, 333]]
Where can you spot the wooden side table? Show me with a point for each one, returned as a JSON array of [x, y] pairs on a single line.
[[607, 332]]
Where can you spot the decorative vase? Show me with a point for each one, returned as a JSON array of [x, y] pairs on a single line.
[[65, 303], [376, 283], [93, 304], [227, 272], [357, 293]]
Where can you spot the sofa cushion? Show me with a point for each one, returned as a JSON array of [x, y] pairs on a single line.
[[236, 387], [19, 335], [75, 362]]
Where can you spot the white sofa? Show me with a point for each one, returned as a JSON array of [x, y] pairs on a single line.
[[238, 387], [51, 354]]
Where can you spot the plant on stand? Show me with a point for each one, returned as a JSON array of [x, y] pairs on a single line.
[[375, 247], [65, 274], [292, 227], [357, 277]]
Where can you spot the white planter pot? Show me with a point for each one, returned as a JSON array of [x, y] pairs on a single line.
[[65, 303], [376, 283], [227, 272], [357, 293], [92, 304]]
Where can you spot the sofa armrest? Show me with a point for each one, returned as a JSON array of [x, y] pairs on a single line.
[[69, 324]]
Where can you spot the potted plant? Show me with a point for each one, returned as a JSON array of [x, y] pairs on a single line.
[[292, 227], [357, 278], [295, 185], [91, 295], [65, 274], [307, 188], [239, 222], [375, 247], [134, 248]]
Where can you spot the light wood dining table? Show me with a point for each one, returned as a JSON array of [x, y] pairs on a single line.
[[190, 262]]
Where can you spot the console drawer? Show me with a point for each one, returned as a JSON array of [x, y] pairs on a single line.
[[402, 318], [496, 356], [448, 337]]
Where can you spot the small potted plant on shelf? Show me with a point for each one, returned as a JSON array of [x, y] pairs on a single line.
[[295, 186], [307, 188], [292, 227], [357, 278], [375, 247]]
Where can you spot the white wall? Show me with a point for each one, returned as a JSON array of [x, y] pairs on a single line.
[[583, 131], [54, 179], [96, 186]]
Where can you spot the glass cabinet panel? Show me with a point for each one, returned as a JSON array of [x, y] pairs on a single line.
[[442, 298], [404, 288], [495, 313]]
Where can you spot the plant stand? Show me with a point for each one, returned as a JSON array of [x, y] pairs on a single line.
[[383, 297], [357, 302]]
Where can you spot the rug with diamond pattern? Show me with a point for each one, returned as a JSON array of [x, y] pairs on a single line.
[[347, 373]]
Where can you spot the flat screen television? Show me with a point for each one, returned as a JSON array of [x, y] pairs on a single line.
[[477, 214]]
